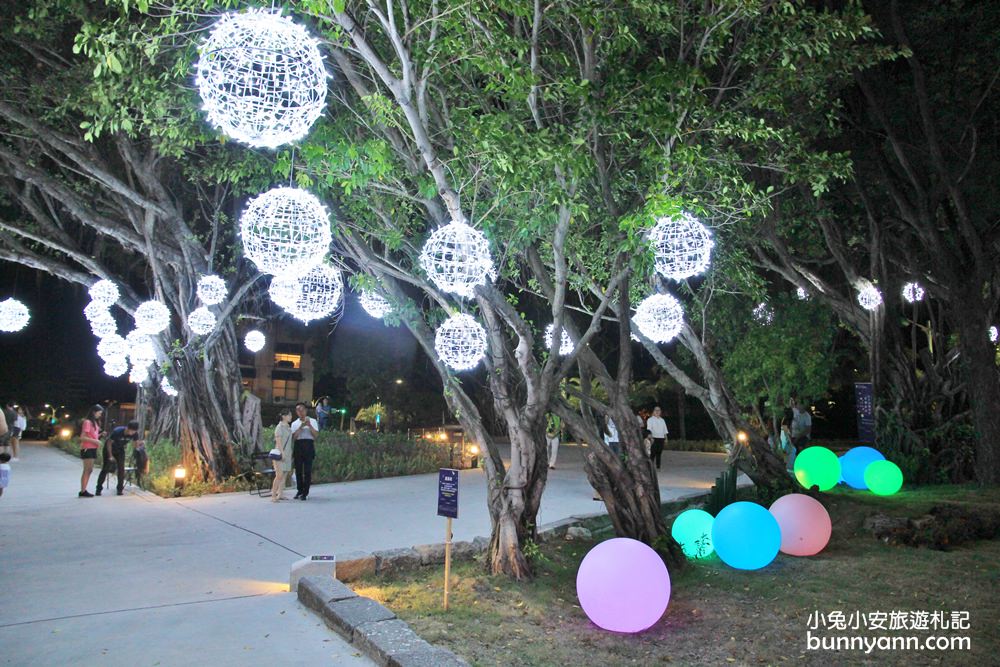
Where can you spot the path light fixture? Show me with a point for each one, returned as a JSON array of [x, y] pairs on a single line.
[[180, 477]]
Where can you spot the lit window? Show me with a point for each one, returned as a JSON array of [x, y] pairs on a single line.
[[287, 360], [284, 390]]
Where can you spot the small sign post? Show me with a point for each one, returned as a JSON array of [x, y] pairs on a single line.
[[865, 403], [447, 507]]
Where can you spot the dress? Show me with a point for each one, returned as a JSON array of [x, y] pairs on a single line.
[[283, 443]]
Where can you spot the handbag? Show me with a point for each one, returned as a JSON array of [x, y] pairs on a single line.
[[274, 454]]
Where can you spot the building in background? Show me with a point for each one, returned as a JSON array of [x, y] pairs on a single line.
[[282, 372]]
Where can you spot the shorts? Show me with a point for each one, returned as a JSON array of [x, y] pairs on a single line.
[[88, 454], [15, 432]]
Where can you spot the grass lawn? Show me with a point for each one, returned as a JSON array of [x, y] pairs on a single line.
[[718, 615]]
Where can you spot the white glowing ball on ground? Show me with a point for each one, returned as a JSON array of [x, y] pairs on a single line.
[[801, 294], [212, 290], [565, 342], [456, 258], [138, 374], [112, 347], [14, 315], [116, 367], [151, 317], [763, 313], [104, 326], [659, 317], [285, 231], [374, 303], [869, 297], [682, 246], [140, 348], [201, 321], [993, 334], [460, 342], [96, 310], [261, 78], [254, 341], [105, 292], [913, 292], [316, 295], [168, 388]]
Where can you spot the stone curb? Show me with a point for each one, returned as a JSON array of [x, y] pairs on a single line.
[[370, 627]]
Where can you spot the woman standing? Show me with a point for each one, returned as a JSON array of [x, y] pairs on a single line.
[[282, 467], [20, 426], [90, 442]]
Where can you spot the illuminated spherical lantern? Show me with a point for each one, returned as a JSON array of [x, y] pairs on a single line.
[[201, 321], [682, 246], [763, 313], [565, 342], [460, 342], [138, 374], [854, 463], [817, 466], [285, 231], [883, 478], [456, 258], [746, 536], [151, 317], [692, 529], [801, 294], [993, 334], [623, 585], [140, 348], [659, 317], [116, 367], [261, 78], [104, 292], [14, 315], [869, 297], [96, 310], [168, 388], [254, 341], [112, 347], [374, 303], [804, 522], [318, 294], [913, 292], [104, 325], [212, 290]]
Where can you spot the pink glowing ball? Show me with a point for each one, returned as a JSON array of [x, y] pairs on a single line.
[[623, 585], [805, 524]]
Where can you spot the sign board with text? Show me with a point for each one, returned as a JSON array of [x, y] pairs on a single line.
[[448, 493], [864, 400]]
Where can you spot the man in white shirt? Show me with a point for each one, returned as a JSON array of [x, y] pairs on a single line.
[[657, 428], [304, 431], [802, 424]]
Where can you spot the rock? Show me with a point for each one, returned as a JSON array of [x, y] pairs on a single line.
[[430, 554], [481, 544], [394, 560], [555, 530], [355, 565], [463, 551], [578, 533]]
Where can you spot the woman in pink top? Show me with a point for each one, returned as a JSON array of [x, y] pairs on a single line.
[[90, 442]]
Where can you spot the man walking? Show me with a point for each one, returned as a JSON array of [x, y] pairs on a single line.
[[657, 428], [552, 429], [304, 430], [114, 454], [801, 425]]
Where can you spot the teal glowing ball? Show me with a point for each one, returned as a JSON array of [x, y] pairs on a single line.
[[746, 536], [853, 465], [693, 531], [817, 466], [884, 478]]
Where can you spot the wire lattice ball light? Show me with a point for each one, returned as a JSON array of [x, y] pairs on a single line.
[[116, 367], [96, 310], [659, 317], [201, 321], [913, 292], [763, 313], [456, 258], [801, 294], [993, 333], [212, 290], [261, 78], [374, 303], [140, 348], [313, 296], [460, 342], [254, 341], [151, 317], [168, 388], [104, 325], [682, 246], [285, 231], [565, 342], [869, 297], [112, 347], [138, 374], [105, 292], [14, 315]]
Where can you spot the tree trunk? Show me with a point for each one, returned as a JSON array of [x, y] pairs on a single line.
[[983, 387], [682, 432]]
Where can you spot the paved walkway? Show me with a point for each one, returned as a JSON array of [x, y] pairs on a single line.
[[138, 580]]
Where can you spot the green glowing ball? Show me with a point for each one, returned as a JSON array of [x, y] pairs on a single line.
[[693, 531], [884, 478], [817, 466]]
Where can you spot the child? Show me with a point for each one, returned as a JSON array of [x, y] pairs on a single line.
[[4, 471]]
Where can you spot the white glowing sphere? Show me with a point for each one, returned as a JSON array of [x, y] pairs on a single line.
[[801, 294], [112, 347], [993, 334], [565, 342], [254, 341], [763, 313], [261, 78], [201, 321], [659, 317], [460, 342], [168, 388], [456, 258], [140, 348], [316, 295], [105, 292], [96, 310], [138, 374], [682, 246], [869, 297], [913, 292], [104, 326], [14, 315], [151, 317], [212, 290], [374, 303], [116, 367], [285, 231]]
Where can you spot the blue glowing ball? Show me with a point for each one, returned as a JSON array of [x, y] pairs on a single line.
[[746, 536], [693, 531], [854, 462]]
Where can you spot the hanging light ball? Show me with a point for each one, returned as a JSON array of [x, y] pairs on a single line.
[[913, 292], [138, 374], [801, 294], [96, 310], [659, 317], [254, 341], [993, 334], [168, 388], [105, 292], [14, 315], [112, 347], [104, 326], [763, 313], [116, 367], [460, 342], [869, 297], [212, 290], [682, 246], [285, 231], [140, 348], [151, 317], [261, 78], [565, 342], [317, 294], [374, 303], [201, 321], [456, 258]]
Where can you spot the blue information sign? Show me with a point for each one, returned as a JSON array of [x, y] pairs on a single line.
[[865, 402], [448, 492]]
